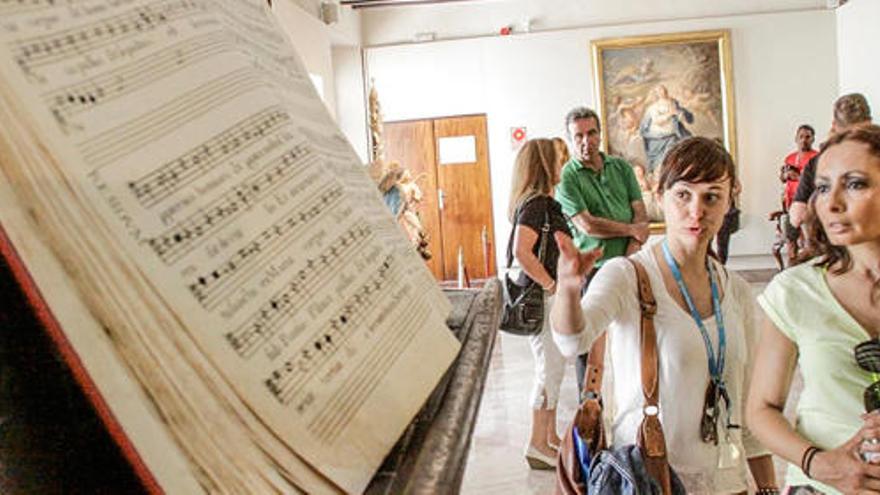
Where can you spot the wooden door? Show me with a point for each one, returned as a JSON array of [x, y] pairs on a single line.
[[411, 143], [466, 202], [451, 158]]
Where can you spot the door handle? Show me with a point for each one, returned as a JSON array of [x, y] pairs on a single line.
[[441, 199]]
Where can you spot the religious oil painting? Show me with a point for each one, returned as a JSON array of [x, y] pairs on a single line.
[[653, 91]]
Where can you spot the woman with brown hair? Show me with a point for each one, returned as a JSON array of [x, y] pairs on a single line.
[[825, 317], [704, 326], [532, 207]]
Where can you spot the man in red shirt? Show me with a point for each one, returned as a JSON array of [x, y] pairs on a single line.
[[790, 175], [795, 162]]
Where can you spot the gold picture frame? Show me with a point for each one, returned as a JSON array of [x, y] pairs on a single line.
[[652, 91]]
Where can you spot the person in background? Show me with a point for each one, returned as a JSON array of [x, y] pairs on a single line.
[[562, 153], [602, 197], [819, 314], [731, 220], [536, 173], [789, 175], [704, 325], [795, 162], [728, 226], [849, 110]]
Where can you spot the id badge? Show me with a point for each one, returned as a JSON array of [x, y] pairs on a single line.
[[711, 413], [729, 454]]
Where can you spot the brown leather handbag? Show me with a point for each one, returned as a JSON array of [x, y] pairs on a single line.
[[588, 419]]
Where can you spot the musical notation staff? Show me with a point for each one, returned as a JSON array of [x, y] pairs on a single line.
[[101, 149], [169, 178], [11, 7], [38, 51], [182, 238], [265, 323], [286, 381], [212, 287], [105, 87], [346, 400], [333, 145]]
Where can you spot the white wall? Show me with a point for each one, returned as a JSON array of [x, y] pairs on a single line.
[[311, 39], [533, 79], [347, 28], [467, 19], [857, 40], [351, 112], [333, 53]]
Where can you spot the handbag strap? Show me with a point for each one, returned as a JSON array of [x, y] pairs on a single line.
[[545, 231], [650, 438], [648, 339], [648, 343], [595, 368]]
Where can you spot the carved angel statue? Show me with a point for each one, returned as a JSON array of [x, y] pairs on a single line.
[[402, 195], [377, 142]]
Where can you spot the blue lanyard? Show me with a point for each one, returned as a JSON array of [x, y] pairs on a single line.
[[716, 364]]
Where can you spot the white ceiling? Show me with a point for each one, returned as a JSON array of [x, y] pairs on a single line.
[[383, 25]]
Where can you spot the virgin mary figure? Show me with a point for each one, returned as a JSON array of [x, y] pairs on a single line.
[[663, 125]]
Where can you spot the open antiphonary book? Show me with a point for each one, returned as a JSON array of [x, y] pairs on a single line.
[[205, 248]]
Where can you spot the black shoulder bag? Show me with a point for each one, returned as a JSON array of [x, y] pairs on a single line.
[[523, 310]]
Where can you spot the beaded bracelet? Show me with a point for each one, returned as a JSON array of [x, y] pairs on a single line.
[[767, 491]]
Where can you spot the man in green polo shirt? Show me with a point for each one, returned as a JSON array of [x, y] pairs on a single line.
[[603, 199]]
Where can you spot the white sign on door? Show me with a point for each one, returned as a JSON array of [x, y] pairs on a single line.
[[457, 149]]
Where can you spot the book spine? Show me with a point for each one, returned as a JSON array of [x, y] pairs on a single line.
[[47, 320]]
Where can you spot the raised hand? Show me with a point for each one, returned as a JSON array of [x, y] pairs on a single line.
[[573, 265]]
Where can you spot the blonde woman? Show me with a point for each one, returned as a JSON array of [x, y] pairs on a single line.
[[535, 174]]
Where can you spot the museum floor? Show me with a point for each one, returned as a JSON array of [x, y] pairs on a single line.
[[496, 464]]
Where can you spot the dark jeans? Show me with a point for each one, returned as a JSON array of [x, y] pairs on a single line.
[[580, 363]]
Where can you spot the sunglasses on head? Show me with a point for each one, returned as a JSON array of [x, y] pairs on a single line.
[[868, 358]]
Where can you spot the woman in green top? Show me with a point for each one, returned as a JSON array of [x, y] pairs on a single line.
[[818, 313]]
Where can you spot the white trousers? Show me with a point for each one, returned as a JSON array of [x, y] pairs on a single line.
[[549, 365]]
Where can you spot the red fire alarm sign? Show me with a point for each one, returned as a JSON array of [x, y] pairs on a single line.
[[518, 136]]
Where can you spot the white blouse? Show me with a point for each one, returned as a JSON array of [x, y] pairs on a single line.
[[612, 302]]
